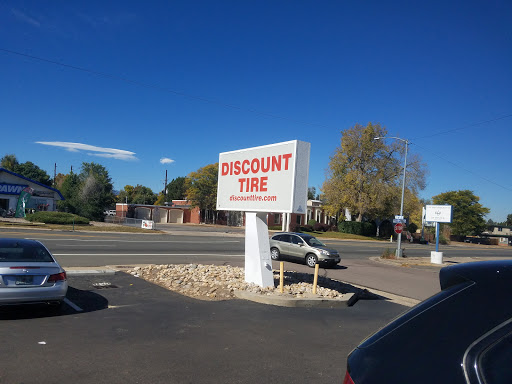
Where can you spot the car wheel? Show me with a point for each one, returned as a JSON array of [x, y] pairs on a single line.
[[274, 253], [311, 260]]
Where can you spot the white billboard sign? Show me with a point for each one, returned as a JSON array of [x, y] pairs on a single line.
[[270, 178], [438, 213]]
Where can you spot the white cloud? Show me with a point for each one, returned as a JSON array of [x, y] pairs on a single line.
[[165, 160], [111, 153], [25, 18]]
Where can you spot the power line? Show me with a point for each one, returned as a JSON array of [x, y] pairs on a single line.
[[464, 169], [463, 127], [161, 88]]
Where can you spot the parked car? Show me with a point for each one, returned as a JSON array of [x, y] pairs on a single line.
[[461, 335], [29, 273], [302, 248]]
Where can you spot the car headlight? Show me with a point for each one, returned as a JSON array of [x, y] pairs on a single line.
[[324, 252]]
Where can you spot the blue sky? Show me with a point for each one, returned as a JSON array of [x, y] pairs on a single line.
[[186, 80]]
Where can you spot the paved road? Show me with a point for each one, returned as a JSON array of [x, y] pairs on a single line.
[[141, 333], [205, 246]]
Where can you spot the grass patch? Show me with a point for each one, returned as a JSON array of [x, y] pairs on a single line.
[[78, 228]]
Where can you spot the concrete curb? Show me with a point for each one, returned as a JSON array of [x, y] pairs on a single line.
[[347, 300], [90, 272]]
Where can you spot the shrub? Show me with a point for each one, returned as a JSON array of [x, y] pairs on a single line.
[[388, 254], [307, 228], [311, 223], [56, 218], [319, 227], [443, 240], [357, 228]]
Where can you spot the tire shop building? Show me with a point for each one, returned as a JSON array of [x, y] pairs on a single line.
[[44, 198]]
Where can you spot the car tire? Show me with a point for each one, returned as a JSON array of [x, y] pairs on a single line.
[[311, 260], [274, 254]]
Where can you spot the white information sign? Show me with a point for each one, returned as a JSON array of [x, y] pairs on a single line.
[[270, 178], [438, 213]]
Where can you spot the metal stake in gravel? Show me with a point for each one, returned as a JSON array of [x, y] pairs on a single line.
[[281, 276]]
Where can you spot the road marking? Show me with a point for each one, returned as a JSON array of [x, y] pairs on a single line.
[[146, 254], [87, 245], [141, 241], [72, 305]]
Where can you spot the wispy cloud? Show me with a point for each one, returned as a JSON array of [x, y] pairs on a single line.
[[166, 160], [25, 18], [92, 150]]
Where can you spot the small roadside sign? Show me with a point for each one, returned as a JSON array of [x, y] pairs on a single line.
[[399, 227]]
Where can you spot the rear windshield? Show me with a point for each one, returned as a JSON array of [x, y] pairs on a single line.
[[25, 253]]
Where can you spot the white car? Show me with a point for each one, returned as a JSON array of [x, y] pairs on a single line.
[[30, 274]]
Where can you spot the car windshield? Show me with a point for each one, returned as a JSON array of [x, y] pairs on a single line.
[[25, 253], [314, 242]]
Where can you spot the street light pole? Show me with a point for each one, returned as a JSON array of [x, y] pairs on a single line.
[[398, 253]]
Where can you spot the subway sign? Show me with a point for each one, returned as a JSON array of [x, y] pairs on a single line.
[[11, 189]]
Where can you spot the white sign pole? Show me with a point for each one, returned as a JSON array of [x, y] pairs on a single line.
[[258, 265]]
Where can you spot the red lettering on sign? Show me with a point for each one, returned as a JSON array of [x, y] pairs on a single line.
[[255, 165]]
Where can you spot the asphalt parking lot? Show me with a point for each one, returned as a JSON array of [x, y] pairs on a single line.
[[121, 329]]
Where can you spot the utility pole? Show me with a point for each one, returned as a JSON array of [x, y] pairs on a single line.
[[398, 252], [55, 175], [165, 187]]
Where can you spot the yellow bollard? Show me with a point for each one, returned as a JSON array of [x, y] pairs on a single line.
[[281, 276], [315, 280], [391, 239]]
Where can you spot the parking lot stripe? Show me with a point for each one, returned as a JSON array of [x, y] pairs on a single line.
[[72, 305]]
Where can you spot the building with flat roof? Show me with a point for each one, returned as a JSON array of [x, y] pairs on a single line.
[[44, 198]]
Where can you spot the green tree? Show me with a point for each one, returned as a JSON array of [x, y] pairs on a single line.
[[136, 195], [468, 214], [143, 195], [509, 220], [312, 194], [27, 169], [365, 175], [70, 189], [89, 193], [201, 189], [125, 195], [96, 191], [33, 172], [176, 190], [9, 162]]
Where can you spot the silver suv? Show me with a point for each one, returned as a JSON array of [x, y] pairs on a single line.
[[303, 248]]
